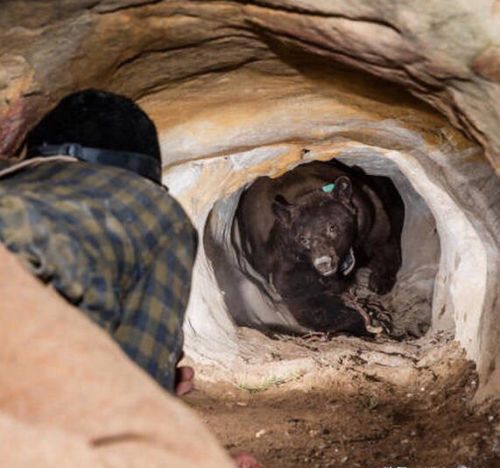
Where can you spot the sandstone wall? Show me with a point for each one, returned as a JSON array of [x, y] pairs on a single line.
[[447, 53]]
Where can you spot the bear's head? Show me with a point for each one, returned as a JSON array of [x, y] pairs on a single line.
[[321, 227]]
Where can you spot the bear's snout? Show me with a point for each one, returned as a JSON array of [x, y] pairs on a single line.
[[325, 265]]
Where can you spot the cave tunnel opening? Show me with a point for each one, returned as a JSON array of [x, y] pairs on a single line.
[[404, 311], [252, 301], [253, 123]]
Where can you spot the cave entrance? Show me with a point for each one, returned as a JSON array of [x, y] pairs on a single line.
[[405, 311], [249, 123], [227, 311]]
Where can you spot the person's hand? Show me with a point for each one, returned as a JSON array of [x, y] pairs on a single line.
[[245, 460], [184, 376]]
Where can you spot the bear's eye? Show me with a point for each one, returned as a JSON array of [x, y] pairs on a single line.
[[332, 228]]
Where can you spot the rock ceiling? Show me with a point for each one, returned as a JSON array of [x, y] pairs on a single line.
[[447, 55]]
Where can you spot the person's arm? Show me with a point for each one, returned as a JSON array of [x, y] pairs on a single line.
[[150, 330]]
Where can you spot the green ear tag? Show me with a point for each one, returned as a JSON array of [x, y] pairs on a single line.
[[328, 188]]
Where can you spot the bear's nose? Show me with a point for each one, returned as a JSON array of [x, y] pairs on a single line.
[[325, 265]]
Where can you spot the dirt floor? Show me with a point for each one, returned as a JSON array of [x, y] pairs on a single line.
[[349, 402]]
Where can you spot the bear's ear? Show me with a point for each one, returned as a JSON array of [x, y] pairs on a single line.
[[343, 189], [282, 210]]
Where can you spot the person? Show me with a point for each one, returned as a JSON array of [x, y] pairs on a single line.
[[87, 213]]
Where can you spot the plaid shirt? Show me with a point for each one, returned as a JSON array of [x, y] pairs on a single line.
[[113, 244]]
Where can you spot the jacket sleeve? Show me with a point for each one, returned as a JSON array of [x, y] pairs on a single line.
[[150, 331]]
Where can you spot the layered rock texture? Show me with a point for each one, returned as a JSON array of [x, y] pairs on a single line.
[[243, 89], [447, 53]]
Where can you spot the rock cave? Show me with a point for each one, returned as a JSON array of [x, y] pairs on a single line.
[[240, 90]]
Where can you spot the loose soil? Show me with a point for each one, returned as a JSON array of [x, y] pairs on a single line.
[[360, 404]]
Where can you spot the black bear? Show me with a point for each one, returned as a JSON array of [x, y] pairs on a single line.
[[308, 231]]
